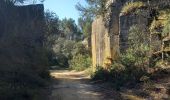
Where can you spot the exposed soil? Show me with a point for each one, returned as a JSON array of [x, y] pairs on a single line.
[[71, 85]]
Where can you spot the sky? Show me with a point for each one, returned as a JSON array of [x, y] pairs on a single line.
[[64, 8]]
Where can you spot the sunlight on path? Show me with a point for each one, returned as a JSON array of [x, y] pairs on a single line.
[[69, 74], [71, 85]]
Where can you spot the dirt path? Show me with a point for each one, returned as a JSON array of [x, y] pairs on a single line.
[[71, 85]]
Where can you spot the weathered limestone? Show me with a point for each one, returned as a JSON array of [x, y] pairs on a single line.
[[21, 34], [98, 45], [110, 34], [127, 21], [26, 22], [104, 46], [105, 36]]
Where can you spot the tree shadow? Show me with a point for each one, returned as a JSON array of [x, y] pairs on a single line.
[[76, 87]]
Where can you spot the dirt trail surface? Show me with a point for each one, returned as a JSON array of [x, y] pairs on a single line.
[[71, 85]]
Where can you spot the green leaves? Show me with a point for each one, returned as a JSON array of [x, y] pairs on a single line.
[[86, 26], [80, 62], [94, 8], [137, 36], [132, 6], [166, 29]]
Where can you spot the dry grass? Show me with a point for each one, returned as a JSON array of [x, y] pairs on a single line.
[[131, 6]]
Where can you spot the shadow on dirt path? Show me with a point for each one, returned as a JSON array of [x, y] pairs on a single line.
[[71, 85]]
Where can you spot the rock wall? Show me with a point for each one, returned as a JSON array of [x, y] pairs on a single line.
[[110, 33], [127, 21], [26, 22], [98, 43], [104, 45], [21, 34]]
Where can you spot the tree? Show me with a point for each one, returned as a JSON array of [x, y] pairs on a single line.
[[52, 28], [85, 25], [94, 8], [70, 29]]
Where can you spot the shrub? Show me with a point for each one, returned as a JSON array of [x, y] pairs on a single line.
[[80, 62], [131, 6], [80, 48], [131, 65], [129, 74], [100, 74], [118, 74], [67, 50], [127, 71]]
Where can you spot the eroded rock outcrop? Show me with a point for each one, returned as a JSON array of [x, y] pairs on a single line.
[[110, 33], [101, 50], [126, 22], [21, 34]]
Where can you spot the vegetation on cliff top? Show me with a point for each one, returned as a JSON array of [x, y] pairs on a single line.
[[141, 62], [132, 6]]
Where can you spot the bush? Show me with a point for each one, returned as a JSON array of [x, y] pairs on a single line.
[[100, 74], [65, 51], [131, 6], [80, 48], [120, 75], [132, 64], [80, 62]]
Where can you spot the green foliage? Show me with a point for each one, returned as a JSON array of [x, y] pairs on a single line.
[[100, 74], [138, 51], [94, 8], [62, 38], [62, 52], [86, 26], [160, 22], [128, 59], [131, 65], [66, 50], [70, 29], [18, 73], [137, 36], [80, 62], [137, 57], [122, 74], [166, 30], [119, 75], [156, 25], [132, 6], [52, 28], [80, 48], [81, 59]]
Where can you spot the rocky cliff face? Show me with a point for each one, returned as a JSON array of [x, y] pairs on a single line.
[[110, 33], [21, 33], [23, 21], [126, 21], [98, 43]]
